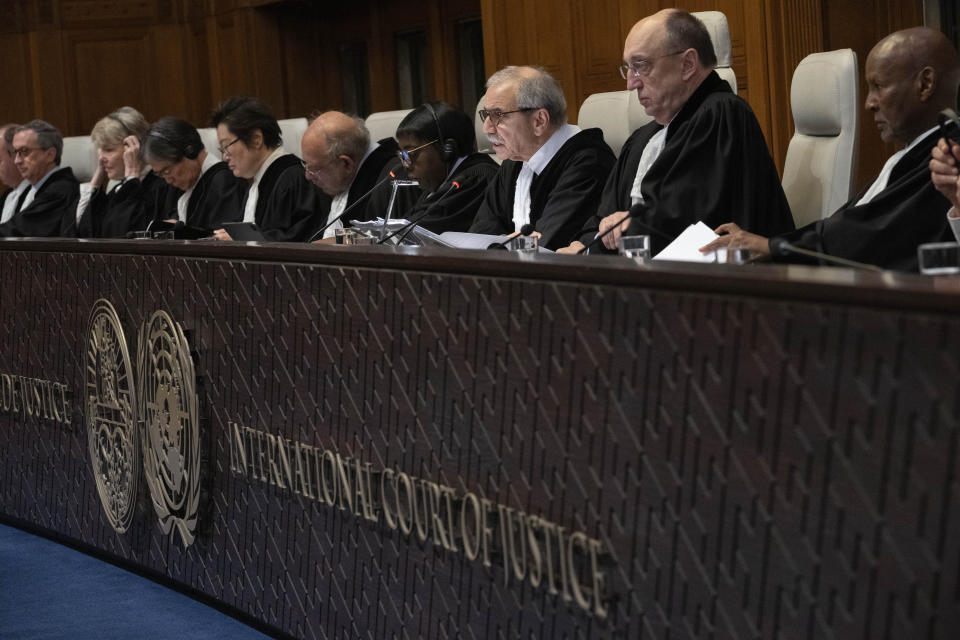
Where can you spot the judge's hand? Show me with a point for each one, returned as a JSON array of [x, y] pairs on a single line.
[[99, 179], [131, 157], [221, 234], [575, 247], [620, 219], [733, 237], [944, 170]]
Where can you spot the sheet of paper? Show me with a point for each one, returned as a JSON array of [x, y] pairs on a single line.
[[463, 240], [686, 247]]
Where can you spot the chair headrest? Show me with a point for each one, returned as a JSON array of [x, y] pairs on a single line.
[[821, 92], [716, 23]]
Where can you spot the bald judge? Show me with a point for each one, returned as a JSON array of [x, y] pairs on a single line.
[[911, 75], [703, 157], [340, 158], [552, 172]]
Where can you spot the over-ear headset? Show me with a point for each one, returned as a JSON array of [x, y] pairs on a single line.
[[116, 119], [189, 150], [448, 148]]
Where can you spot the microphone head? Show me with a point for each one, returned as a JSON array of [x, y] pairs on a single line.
[[779, 246], [454, 185], [637, 210], [526, 229]]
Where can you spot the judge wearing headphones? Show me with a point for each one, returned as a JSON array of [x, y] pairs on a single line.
[[276, 195], [203, 192], [438, 146], [134, 201]]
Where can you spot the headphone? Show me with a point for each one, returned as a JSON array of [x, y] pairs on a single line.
[[189, 151], [114, 117], [449, 149]]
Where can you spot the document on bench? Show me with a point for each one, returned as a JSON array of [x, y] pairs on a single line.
[[686, 248]]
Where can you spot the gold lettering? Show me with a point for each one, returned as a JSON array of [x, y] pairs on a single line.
[[404, 518], [387, 477], [364, 499], [66, 405], [548, 530], [448, 494], [599, 580], [423, 524], [517, 560], [486, 533], [26, 396], [16, 396], [37, 402], [439, 531], [260, 454], [238, 449], [329, 493], [470, 547], [535, 568], [274, 472], [318, 481], [303, 469], [6, 392], [562, 551], [578, 596], [286, 479], [504, 517], [347, 492]]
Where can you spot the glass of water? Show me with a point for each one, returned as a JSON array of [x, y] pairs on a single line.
[[525, 244], [939, 258], [634, 246]]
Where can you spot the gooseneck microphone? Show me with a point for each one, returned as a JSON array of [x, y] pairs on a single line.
[[407, 228], [525, 230], [780, 245], [391, 176]]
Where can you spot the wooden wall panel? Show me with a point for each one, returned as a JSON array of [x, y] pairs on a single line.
[[17, 81]]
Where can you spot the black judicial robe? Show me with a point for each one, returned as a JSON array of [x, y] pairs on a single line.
[[290, 208], [376, 167], [714, 167], [887, 230], [52, 212], [562, 196], [129, 206], [215, 200], [454, 211]]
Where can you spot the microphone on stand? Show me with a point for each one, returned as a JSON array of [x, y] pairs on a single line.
[[525, 230], [782, 246], [407, 228], [391, 176]]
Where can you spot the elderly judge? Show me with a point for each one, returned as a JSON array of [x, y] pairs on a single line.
[[9, 174], [552, 172], [702, 158], [48, 207], [911, 76]]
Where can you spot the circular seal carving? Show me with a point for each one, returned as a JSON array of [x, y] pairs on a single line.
[[111, 414], [170, 430]]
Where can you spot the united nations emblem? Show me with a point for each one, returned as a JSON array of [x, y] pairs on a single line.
[[111, 413], [170, 427]]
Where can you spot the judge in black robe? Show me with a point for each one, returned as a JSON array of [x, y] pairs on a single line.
[[562, 196], [714, 167], [215, 199], [289, 208], [448, 209], [52, 212], [885, 231], [374, 169], [129, 206]]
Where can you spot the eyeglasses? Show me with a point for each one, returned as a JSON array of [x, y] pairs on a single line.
[[496, 116], [163, 173], [407, 157], [308, 172], [23, 152], [642, 68], [226, 148]]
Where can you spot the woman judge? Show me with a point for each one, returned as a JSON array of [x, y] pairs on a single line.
[[132, 203], [203, 194], [438, 145], [278, 197]]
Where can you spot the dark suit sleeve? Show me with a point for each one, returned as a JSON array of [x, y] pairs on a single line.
[[573, 198]]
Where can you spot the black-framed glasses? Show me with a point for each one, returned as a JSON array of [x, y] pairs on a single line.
[[641, 68], [23, 152], [407, 157], [163, 173], [226, 148], [496, 116]]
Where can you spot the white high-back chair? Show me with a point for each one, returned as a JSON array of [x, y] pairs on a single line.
[[210, 143], [292, 130], [80, 154], [383, 124], [619, 113], [818, 174]]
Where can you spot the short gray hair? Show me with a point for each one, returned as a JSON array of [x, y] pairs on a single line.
[[537, 90], [352, 142], [8, 131], [47, 136]]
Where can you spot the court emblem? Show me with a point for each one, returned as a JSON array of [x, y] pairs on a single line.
[[111, 415]]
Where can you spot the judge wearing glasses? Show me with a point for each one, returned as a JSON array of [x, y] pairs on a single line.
[[552, 172], [341, 159], [702, 158], [438, 146], [203, 192], [48, 207], [276, 196]]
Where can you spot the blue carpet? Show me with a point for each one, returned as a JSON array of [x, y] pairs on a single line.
[[51, 591]]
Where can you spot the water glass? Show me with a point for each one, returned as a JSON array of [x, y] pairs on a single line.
[[939, 258], [634, 247]]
